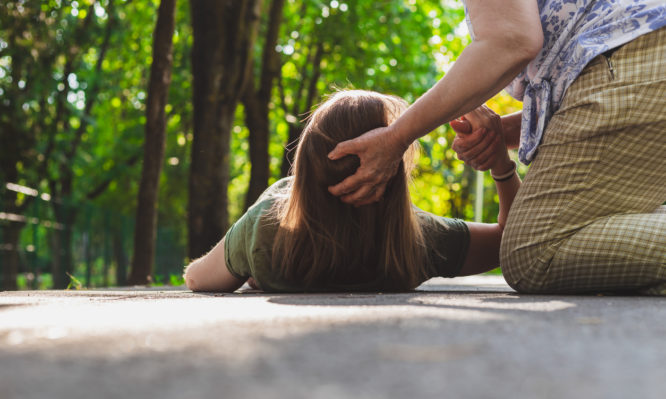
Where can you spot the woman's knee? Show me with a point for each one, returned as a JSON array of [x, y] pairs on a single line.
[[525, 278], [521, 267], [509, 262], [511, 266]]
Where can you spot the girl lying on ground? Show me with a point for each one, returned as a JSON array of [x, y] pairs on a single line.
[[298, 237]]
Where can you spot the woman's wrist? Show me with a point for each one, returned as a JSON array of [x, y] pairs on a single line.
[[504, 172], [511, 126], [399, 137]]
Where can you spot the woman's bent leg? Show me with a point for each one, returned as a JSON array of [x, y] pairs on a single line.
[[588, 215]]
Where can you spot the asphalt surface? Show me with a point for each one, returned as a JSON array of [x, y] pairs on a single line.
[[462, 338]]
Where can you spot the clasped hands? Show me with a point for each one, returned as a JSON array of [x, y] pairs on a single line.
[[479, 142]]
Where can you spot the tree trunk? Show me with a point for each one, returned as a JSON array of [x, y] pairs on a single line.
[[256, 119], [295, 130], [120, 258], [87, 254], [153, 156], [10, 255], [224, 34], [67, 255], [63, 266], [56, 258], [256, 104], [106, 254]]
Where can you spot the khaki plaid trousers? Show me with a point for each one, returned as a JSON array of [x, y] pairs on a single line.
[[589, 215]]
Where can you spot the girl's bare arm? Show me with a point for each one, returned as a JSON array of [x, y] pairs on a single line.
[[210, 273]]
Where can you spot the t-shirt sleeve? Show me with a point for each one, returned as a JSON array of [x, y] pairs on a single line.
[[447, 242], [248, 242], [237, 247]]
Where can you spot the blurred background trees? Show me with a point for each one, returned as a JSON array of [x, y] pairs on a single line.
[[81, 113]]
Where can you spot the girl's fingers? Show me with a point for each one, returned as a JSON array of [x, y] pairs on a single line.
[[465, 142], [486, 141], [488, 157], [479, 148], [461, 126]]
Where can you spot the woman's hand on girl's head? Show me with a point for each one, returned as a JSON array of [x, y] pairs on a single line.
[[380, 154], [479, 140]]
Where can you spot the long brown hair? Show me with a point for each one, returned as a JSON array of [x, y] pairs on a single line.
[[321, 241]]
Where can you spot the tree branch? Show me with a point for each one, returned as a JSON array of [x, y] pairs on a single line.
[[111, 176], [316, 73], [270, 65], [301, 85]]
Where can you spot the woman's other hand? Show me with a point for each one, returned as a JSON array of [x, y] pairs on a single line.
[[479, 140], [380, 153]]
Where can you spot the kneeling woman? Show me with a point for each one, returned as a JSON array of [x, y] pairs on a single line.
[[298, 237]]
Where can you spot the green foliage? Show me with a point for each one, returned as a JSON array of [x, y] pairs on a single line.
[[29, 281], [176, 280], [79, 112], [173, 280], [73, 81], [396, 47], [74, 283]]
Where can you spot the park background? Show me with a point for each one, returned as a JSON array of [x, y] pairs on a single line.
[[133, 133]]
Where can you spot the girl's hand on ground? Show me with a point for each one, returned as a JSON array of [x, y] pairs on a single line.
[[380, 154], [479, 140]]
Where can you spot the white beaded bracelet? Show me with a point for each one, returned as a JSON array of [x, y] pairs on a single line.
[[507, 175]]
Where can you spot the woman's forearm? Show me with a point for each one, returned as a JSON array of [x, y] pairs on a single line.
[[485, 67], [485, 238], [506, 191]]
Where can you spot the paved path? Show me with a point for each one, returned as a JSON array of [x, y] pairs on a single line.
[[461, 338]]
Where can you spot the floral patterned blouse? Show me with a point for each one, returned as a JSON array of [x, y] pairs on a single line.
[[574, 32]]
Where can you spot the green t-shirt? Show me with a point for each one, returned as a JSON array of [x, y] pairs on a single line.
[[249, 242]]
